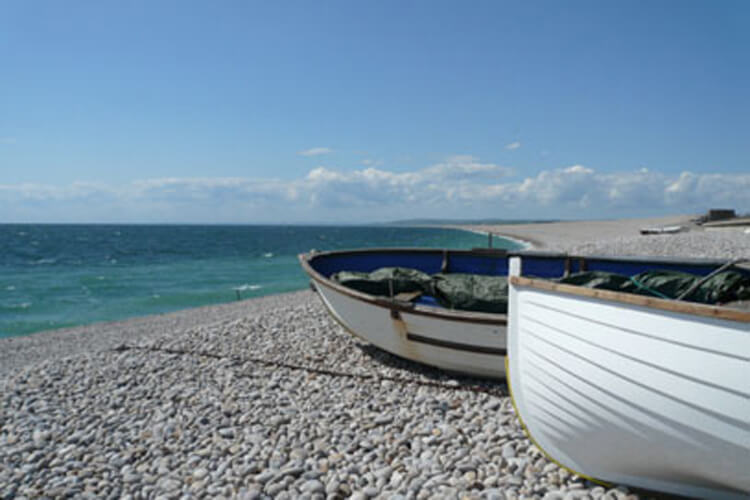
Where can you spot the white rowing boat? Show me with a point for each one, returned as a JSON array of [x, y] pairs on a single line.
[[662, 230], [464, 342], [629, 389]]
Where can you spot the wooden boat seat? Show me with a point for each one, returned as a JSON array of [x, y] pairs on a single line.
[[408, 296]]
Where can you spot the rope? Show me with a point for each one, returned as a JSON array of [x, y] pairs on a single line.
[[641, 286], [694, 286], [319, 371]]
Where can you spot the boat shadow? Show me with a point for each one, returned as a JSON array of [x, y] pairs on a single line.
[[497, 387]]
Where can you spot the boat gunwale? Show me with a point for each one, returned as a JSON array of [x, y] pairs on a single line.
[[409, 308], [683, 307]]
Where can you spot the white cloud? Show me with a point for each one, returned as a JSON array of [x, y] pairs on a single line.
[[459, 186], [578, 169], [315, 151], [369, 162], [567, 185], [639, 191], [513, 145], [465, 168], [372, 186]]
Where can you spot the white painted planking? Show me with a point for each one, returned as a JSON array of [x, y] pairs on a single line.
[[645, 397], [374, 323]]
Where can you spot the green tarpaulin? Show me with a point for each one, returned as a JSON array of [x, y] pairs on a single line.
[[472, 292], [379, 282], [467, 292], [475, 292], [726, 286]]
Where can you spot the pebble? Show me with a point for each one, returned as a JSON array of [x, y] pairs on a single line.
[[274, 489], [371, 492], [332, 486], [509, 451], [313, 486], [725, 244], [200, 473], [264, 476], [226, 432]]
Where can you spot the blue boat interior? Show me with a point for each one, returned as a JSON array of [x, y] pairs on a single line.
[[496, 264], [541, 265]]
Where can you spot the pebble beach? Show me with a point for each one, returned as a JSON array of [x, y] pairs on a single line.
[[271, 398]]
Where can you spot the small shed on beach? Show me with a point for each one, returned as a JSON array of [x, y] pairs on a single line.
[[720, 214]]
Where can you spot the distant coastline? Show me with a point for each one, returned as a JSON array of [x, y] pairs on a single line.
[[523, 243], [457, 223]]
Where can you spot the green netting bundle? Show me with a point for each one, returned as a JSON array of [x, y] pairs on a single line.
[[659, 283], [472, 292], [378, 281], [475, 292], [467, 292], [597, 279], [726, 286]]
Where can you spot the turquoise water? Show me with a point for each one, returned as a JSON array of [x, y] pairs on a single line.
[[53, 276]]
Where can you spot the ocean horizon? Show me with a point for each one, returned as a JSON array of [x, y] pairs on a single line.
[[62, 275]]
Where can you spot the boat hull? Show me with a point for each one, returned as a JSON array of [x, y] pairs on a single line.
[[627, 393], [452, 342]]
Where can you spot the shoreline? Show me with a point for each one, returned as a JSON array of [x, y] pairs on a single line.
[[563, 235], [525, 244]]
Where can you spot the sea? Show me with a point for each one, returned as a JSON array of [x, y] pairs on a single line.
[[55, 276]]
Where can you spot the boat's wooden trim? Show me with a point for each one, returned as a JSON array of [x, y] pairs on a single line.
[[394, 305], [693, 308], [458, 346]]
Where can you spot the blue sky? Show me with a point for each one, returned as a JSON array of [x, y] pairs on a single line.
[[330, 111]]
